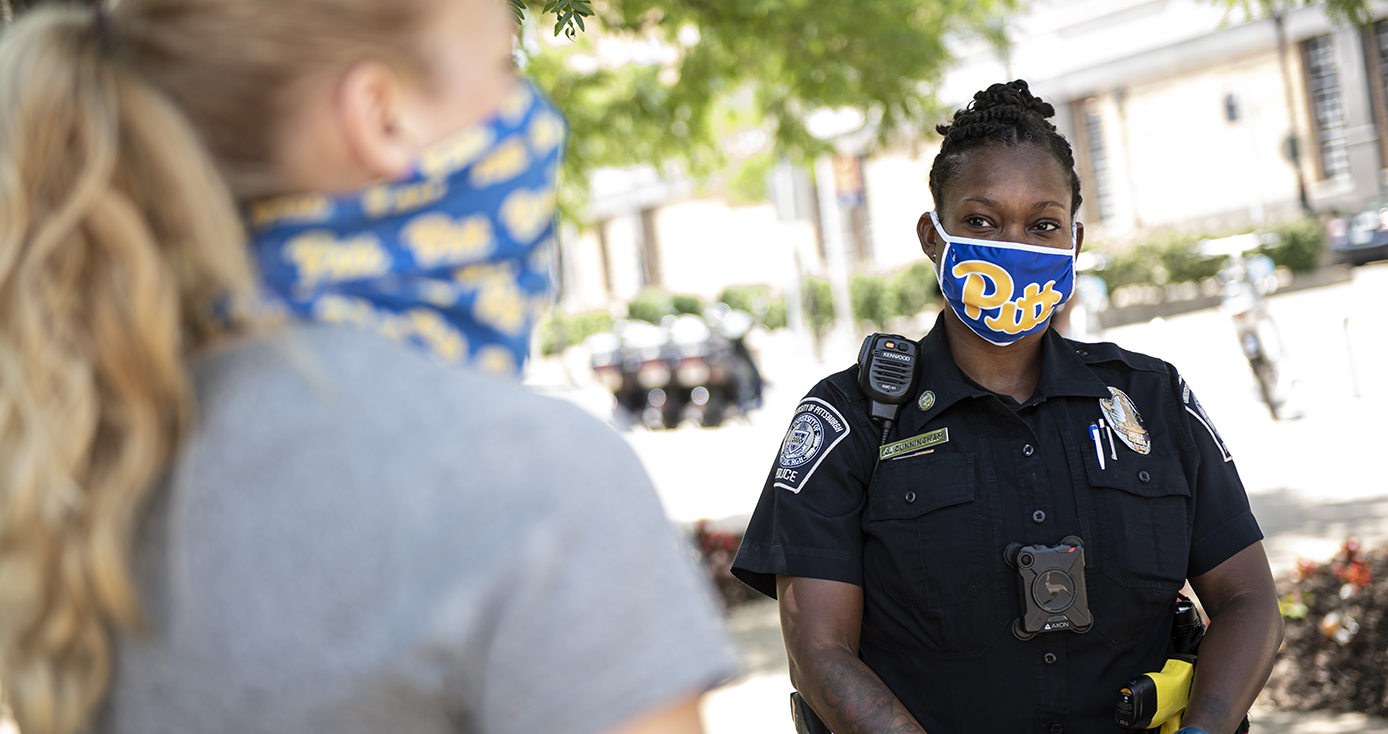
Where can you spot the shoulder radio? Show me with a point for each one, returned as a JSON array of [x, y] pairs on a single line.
[[886, 370]]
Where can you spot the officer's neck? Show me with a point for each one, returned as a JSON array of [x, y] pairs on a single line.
[[1011, 370]]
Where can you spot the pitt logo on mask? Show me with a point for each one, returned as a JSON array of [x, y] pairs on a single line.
[[989, 287], [980, 280], [322, 258]]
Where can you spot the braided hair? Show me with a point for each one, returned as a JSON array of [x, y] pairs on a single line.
[[1003, 114]]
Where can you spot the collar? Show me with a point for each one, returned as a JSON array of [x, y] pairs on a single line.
[[1063, 374]]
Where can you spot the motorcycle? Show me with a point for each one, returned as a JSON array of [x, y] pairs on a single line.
[[1246, 279], [734, 384], [635, 363], [685, 369]]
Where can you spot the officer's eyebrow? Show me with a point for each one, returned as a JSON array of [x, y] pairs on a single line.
[[1035, 207]]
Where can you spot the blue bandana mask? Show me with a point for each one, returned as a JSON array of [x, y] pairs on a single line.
[[454, 258], [1004, 291]]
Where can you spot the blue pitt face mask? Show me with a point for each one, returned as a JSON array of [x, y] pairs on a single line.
[[455, 258], [1004, 291]]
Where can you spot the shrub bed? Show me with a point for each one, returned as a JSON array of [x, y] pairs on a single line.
[[1335, 654], [717, 548], [1168, 259]]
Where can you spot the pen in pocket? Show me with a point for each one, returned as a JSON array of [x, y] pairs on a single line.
[[1098, 445]]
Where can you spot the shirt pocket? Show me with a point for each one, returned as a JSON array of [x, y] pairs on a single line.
[[1142, 503], [929, 534]]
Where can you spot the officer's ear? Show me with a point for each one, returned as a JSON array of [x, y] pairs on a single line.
[[1079, 238], [925, 231]]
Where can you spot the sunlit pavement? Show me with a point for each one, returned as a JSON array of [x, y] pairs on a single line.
[[1312, 480]]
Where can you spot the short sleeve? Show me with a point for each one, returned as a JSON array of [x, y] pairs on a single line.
[[808, 519], [592, 611], [1223, 524]]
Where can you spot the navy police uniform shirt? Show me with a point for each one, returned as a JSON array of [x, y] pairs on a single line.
[[924, 532]]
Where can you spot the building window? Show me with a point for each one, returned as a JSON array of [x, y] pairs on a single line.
[[1377, 44], [1100, 176], [1327, 106]]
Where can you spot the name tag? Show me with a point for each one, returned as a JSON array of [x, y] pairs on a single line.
[[914, 443]]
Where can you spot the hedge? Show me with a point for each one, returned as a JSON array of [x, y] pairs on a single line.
[[1168, 258]]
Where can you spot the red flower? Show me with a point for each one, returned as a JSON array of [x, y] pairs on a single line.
[[1355, 573]]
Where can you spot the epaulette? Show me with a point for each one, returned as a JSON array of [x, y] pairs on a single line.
[[846, 382], [1096, 353]]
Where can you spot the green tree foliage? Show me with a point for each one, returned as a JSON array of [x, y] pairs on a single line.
[[723, 67], [1355, 12], [569, 14]]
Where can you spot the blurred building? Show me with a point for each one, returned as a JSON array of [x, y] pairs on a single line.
[[1184, 115]]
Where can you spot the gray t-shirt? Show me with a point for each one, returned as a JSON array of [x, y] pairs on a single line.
[[359, 540]]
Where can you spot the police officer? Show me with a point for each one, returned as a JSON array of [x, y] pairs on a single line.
[[896, 563]]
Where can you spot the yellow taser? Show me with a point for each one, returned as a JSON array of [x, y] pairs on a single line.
[[1156, 701]]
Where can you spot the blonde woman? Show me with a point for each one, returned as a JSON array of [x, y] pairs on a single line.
[[343, 524]]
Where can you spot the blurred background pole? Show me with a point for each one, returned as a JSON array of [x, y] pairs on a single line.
[[844, 333], [783, 188], [1279, 23], [6, 12]]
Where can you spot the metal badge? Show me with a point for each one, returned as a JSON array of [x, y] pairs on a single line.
[[927, 400], [1122, 415]]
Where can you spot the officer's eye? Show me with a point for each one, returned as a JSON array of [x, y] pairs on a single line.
[[1047, 226], [975, 221]]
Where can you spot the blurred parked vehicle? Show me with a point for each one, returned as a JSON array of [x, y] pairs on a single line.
[[1359, 238], [687, 368], [1246, 279], [634, 362]]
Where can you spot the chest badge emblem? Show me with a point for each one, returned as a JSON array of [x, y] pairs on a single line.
[[927, 400], [1126, 421]]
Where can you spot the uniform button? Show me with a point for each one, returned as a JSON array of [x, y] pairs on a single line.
[[1038, 516], [1057, 729], [910, 497], [1144, 477], [1081, 352], [1050, 659], [1028, 450]]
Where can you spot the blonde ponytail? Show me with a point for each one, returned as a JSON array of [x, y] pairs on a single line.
[[117, 237]]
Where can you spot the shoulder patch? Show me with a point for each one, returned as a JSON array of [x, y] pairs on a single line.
[[1192, 406], [814, 431]]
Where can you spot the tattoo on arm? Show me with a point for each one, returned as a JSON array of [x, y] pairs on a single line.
[[861, 702], [1218, 711]]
